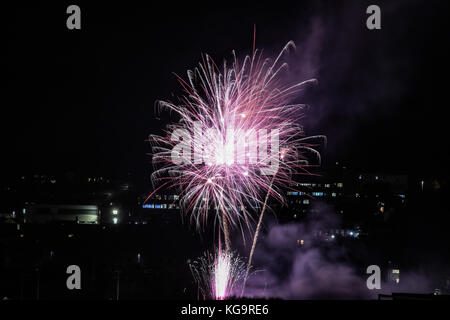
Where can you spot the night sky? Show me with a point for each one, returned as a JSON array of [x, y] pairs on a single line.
[[83, 100]]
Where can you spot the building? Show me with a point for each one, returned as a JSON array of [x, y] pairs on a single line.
[[44, 213]]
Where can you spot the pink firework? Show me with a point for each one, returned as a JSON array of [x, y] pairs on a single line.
[[238, 138], [217, 275]]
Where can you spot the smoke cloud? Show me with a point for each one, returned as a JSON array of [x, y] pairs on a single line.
[[317, 269]]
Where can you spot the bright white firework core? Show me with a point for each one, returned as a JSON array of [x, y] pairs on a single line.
[[221, 273]]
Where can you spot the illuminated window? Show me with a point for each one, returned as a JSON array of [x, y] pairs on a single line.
[[396, 271], [306, 201], [305, 184], [340, 185]]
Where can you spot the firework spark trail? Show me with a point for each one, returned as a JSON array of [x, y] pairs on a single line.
[[225, 117], [218, 274], [255, 239]]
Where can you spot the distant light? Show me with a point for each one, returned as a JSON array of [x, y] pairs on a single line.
[[70, 235], [115, 212], [376, 177], [115, 220], [302, 242], [22, 235], [351, 233], [332, 236]]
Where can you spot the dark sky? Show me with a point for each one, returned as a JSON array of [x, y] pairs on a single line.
[[84, 100]]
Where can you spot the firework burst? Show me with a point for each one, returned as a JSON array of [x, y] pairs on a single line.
[[238, 138], [217, 275]]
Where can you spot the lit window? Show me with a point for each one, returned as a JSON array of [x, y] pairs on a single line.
[[340, 185], [305, 184]]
